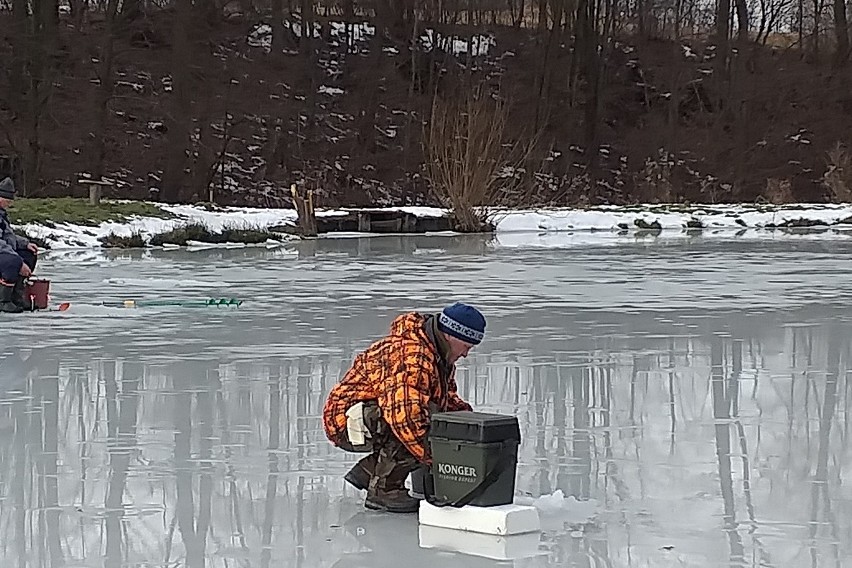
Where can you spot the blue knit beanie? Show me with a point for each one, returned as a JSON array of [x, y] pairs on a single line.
[[463, 322]]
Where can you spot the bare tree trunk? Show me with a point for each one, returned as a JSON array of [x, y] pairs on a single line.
[[816, 31], [742, 21], [307, 37], [609, 21], [270, 150], [543, 75], [678, 21], [516, 11], [32, 153], [179, 120], [202, 168], [643, 18], [764, 19], [775, 14], [841, 30], [801, 23], [40, 49], [78, 12], [588, 48], [49, 22], [104, 92], [723, 14], [278, 35], [280, 152], [367, 119], [412, 88], [20, 41]]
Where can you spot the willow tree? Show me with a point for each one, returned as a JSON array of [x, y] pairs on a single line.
[[472, 165]]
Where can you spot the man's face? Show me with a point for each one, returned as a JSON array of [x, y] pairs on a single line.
[[5, 203], [458, 348]]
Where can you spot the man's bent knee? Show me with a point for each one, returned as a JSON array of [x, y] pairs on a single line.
[[28, 257], [10, 268]]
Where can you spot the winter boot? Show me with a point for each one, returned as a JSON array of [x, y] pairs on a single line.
[[361, 473], [6, 303], [18, 298], [387, 491], [421, 482], [391, 500]]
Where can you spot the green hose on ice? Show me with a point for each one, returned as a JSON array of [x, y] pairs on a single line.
[[203, 303]]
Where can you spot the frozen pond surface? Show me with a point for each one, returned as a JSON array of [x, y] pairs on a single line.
[[688, 399]]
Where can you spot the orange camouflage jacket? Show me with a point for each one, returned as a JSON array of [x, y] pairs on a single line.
[[404, 373]]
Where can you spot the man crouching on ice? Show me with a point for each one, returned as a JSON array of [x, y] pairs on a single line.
[[384, 402], [17, 257]]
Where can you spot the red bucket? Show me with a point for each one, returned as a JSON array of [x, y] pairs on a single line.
[[39, 291]]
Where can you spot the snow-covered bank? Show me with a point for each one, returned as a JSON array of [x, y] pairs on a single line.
[[756, 220], [677, 217]]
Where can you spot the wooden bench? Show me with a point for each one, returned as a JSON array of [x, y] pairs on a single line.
[[96, 187]]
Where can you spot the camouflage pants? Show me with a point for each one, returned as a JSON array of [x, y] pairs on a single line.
[[389, 462]]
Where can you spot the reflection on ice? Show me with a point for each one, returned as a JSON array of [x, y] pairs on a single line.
[[697, 435], [496, 547]]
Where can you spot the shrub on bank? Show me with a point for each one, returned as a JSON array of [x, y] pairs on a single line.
[[181, 236]]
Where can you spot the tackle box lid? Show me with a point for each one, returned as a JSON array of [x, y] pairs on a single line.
[[467, 426]]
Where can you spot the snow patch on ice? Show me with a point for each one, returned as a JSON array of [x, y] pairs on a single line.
[[147, 282], [569, 509]]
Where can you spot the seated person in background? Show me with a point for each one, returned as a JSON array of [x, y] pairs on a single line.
[[18, 257]]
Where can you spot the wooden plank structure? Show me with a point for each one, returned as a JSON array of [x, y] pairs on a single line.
[[359, 220], [381, 221]]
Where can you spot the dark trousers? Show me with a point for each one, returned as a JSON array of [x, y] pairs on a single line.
[[10, 264], [389, 462]]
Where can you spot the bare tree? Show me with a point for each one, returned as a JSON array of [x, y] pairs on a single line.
[[742, 21], [179, 119], [470, 163], [34, 41], [723, 34], [838, 175], [517, 11], [841, 32], [104, 91], [818, 7]]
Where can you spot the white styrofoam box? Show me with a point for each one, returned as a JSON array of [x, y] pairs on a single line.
[[499, 520], [494, 547]]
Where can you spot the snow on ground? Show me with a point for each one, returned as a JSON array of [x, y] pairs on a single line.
[[673, 217], [545, 227], [76, 236], [477, 46]]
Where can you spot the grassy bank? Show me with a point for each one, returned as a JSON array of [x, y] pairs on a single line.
[[54, 211]]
